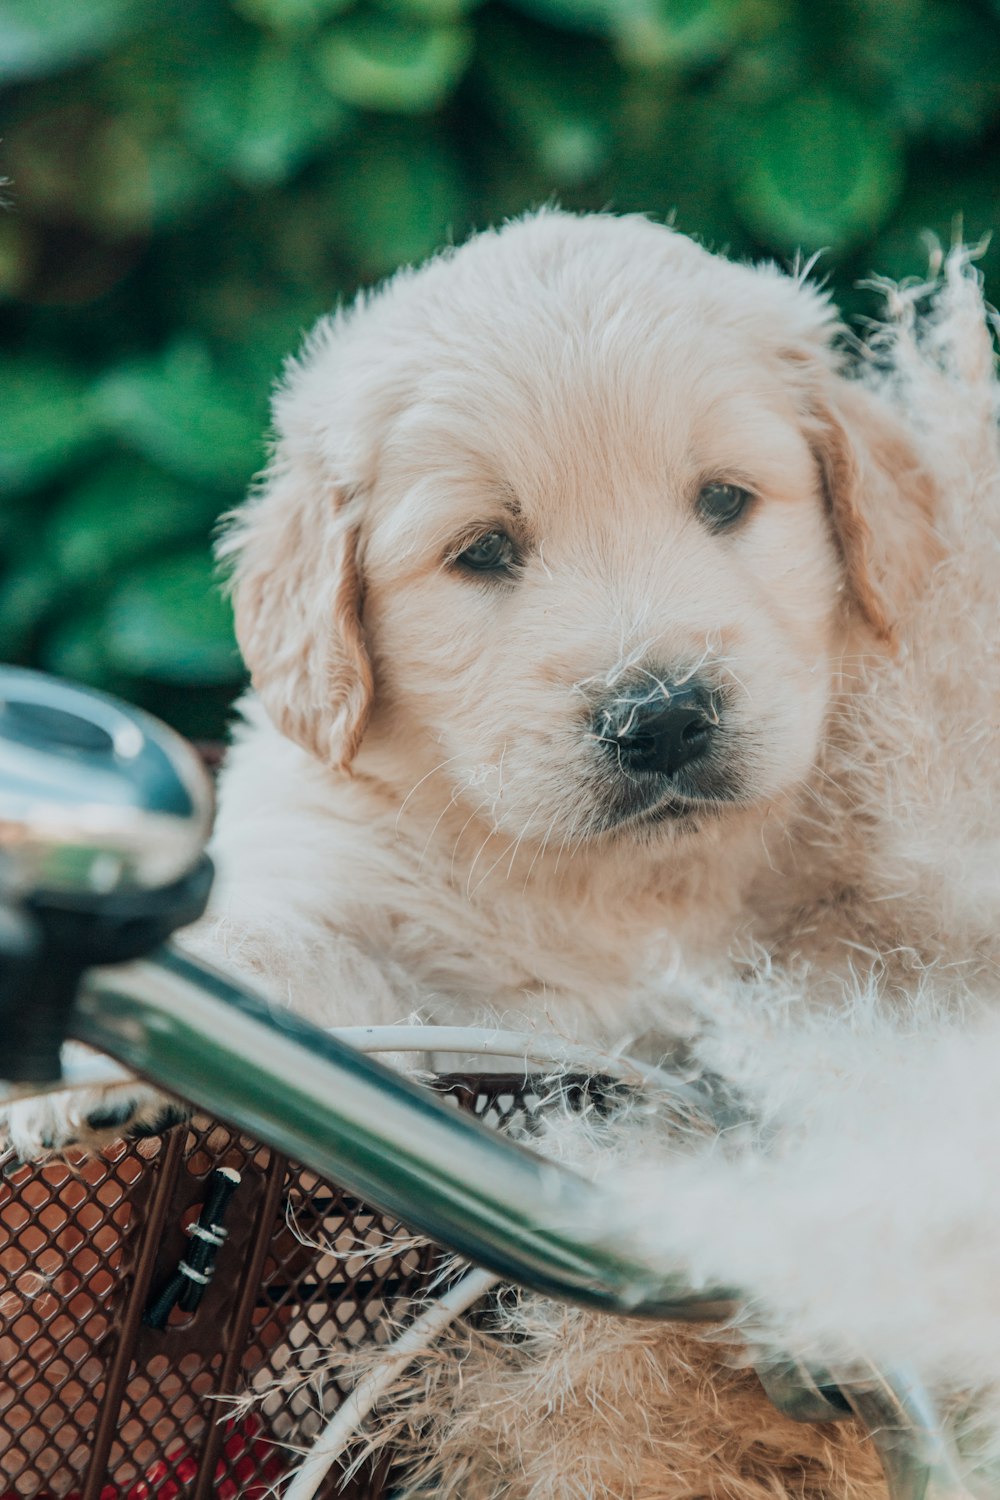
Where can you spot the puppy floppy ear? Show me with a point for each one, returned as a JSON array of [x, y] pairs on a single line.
[[297, 595], [882, 500]]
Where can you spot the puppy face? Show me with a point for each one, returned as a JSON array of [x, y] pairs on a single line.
[[566, 518], [622, 615]]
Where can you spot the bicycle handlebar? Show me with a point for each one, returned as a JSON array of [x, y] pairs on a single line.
[[383, 1137]]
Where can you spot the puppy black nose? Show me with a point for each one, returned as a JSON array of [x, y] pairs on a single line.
[[657, 726]]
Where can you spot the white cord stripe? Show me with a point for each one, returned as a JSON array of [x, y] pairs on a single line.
[[421, 1333]]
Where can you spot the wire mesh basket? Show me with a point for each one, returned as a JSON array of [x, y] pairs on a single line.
[[98, 1404]]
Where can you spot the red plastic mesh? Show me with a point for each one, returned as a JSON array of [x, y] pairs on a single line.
[[96, 1405]]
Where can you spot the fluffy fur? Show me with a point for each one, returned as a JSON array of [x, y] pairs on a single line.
[[554, 1404]]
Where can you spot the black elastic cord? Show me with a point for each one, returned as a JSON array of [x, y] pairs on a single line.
[[186, 1286]]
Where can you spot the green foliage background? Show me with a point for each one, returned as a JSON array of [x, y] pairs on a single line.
[[191, 182]]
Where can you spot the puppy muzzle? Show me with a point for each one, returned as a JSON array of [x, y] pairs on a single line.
[[662, 747]]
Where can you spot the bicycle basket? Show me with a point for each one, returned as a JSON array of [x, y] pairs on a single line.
[[97, 1405]]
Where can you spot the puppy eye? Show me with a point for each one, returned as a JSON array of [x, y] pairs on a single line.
[[493, 552], [722, 504]]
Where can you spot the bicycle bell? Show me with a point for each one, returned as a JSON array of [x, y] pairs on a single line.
[[104, 814], [95, 796]]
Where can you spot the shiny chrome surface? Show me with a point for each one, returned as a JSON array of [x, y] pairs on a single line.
[[802, 1393], [95, 797]]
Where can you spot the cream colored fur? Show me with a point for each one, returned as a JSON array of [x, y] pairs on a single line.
[[870, 1219]]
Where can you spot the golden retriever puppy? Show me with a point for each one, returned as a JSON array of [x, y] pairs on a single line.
[[552, 595], [547, 594], [570, 547]]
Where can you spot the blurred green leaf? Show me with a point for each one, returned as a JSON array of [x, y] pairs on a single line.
[[142, 81], [26, 594], [193, 181], [38, 36], [17, 255], [183, 413], [962, 206], [941, 65], [674, 162], [576, 15], [260, 110], [122, 510], [168, 621], [432, 10], [74, 648], [258, 329], [81, 163], [49, 421], [767, 68], [817, 170], [290, 15], [383, 63], [396, 195], [680, 33], [560, 96], [147, 183], [48, 153]]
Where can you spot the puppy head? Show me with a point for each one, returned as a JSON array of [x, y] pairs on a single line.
[[580, 518]]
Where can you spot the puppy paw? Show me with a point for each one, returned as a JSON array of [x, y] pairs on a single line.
[[86, 1118]]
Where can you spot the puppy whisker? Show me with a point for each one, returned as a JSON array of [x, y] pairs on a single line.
[[458, 837], [664, 689], [472, 868], [502, 855], [725, 667], [416, 787], [520, 838], [540, 851], [456, 793]]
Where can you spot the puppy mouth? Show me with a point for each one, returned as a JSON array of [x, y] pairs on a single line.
[[671, 810], [639, 807]]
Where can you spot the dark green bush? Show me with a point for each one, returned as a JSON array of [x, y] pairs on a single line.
[[192, 183]]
